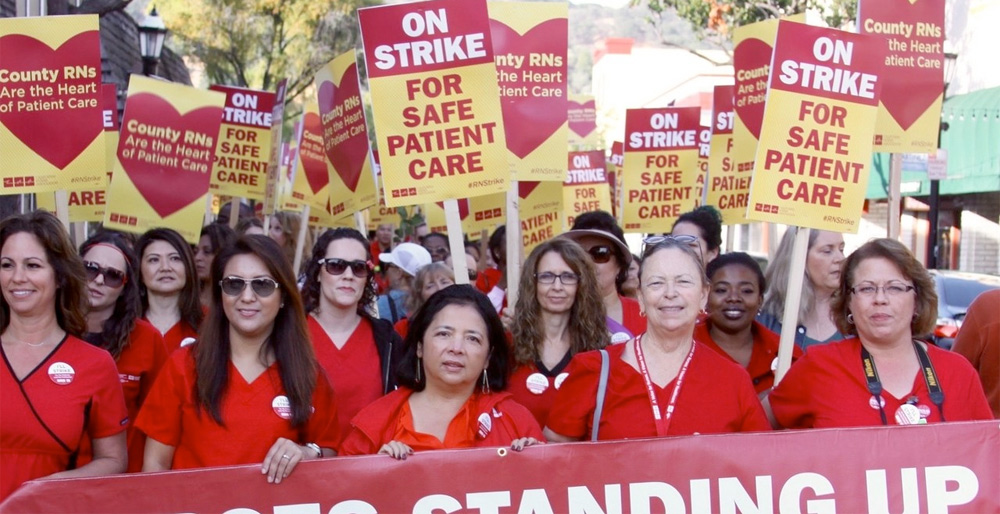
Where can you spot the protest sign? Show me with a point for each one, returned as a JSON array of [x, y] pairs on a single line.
[[617, 162], [311, 178], [51, 133], [286, 184], [540, 212], [583, 123], [244, 149], [815, 148], [886, 470], [912, 35], [586, 187], [381, 214], [729, 185], [661, 167], [477, 214], [435, 100], [168, 136], [529, 48], [273, 184], [704, 145], [345, 136]]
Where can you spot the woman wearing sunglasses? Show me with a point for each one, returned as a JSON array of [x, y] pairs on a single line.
[[113, 323], [558, 285], [662, 383], [250, 390], [602, 238], [169, 287], [54, 387], [354, 347], [452, 374]]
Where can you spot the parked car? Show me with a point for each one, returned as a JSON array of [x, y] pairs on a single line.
[[956, 290]]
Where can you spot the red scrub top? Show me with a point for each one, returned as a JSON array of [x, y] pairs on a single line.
[[138, 365], [631, 317], [176, 335], [390, 419], [256, 414], [402, 327], [74, 376], [827, 388], [354, 371], [534, 386], [716, 397], [763, 357]]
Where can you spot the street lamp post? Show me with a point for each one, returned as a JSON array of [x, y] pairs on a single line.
[[933, 246], [152, 33]]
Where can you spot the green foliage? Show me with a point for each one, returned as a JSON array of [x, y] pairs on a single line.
[[256, 43]]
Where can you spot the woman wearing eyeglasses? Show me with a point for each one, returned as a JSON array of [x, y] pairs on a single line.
[[355, 348], [54, 387], [171, 299], [603, 240], [250, 390], [113, 323], [662, 383], [882, 375], [558, 314]]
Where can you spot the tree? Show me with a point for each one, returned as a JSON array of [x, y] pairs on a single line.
[[713, 20], [256, 43]]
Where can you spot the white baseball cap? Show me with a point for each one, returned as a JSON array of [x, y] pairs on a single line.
[[408, 257]]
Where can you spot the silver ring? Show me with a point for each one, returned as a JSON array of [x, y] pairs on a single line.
[[285, 457]]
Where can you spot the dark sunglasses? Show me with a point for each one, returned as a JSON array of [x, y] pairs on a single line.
[[112, 277], [262, 287], [601, 253], [335, 266]]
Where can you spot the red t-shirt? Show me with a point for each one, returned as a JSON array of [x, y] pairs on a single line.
[[631, 317], [716, 397], [138, 365], [354, 371], [177, 334], [255, 414], [390, 419], [763, 357], [75, 375], [827, 388], [402, 327], [535, 387]]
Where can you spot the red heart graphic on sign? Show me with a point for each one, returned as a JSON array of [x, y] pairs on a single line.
[[463, 207], [750, 55], [183, 185], [311, 153], [525, 187], [57, 135], [583, 124], [530, 120], [906, 100], [348, 156]]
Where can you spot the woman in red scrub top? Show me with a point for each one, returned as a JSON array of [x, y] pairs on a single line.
[[54, 387], [356, 349], [882, 375], [662, 383], [250, 389], [169, 286], [559, 313], [452, 376], [113, 324]]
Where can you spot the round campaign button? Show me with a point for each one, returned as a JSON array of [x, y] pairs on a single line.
[[907, 414], [537, 383], [188, 341], [282, 407], [560, 378], [873, 402], [924, 410], [61, 373], [485, 425], [774, 364]]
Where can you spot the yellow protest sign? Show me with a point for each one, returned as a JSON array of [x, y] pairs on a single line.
[[244, 149], [540, 212], [583, 123], [661, 167], [477, 214], [435, 100], [704, 146], [345, 136], [168, 136], [815, 148], [51, 133], [728, 184], [586, 187], [311, 176]]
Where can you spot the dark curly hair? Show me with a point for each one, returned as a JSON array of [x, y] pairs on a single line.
[[311, 292], [708, 219], [116, 329], [738, 259]]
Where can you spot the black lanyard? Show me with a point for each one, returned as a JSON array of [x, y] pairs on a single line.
[[926, 369]]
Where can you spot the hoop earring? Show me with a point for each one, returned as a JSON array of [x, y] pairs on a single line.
[[420, 364], [486, 383], [850, 318]]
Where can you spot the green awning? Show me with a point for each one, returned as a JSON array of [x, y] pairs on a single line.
[[973, 144]]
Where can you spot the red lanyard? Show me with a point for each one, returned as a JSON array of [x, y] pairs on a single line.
[[662, 420]]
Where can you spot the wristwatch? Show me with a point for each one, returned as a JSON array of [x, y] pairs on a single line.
[[315, 447]]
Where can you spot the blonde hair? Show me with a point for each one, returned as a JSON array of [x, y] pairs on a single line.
[[777, 278]]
